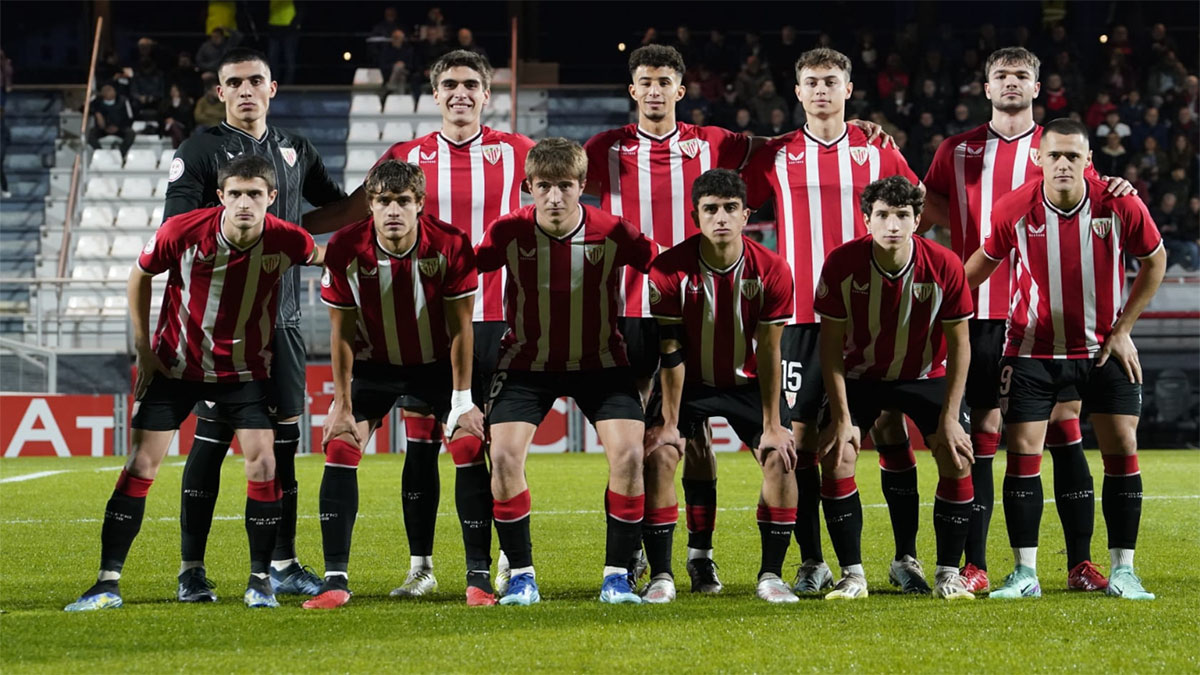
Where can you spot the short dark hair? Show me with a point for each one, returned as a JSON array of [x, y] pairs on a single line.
[[718, 183], [395, 177], [242, 55], [893, 191], [247, 166], [1066, 126], [465, 58], [656, 56], [1016, 56], [823, 56]]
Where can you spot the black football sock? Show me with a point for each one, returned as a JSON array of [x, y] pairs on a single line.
[[512, 528], [122, 520], [775, 527], [287, 441], [339, 510], [1075, 499], [263, 513], [1122, 500], [624, 514], [201, 485], [952, 518], [658, 536], [473, 500], [808, 507], [843, 518], [700, 503], [898, 478], [421, 489], [984, 444], [1023, 499]]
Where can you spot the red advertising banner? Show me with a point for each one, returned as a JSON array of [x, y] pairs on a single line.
[[50, 425]]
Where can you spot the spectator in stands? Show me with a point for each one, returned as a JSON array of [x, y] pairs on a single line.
[[209, 110], [1068, 70], [970, 70], [466, 41], [209, 55], [932, 100], [905, 148], [698, 117], [1058, 42], [892, 77], [1151, 125], [1176, 182], [890, 129], [750, 78], [686, 46], [978, 106], [1185, 123], [381, 33], [147, 88], [1132, 108], [1039, 114], [112, 116], [1118, 77], [435, 46], [187, 76], [1181, 244], [692, 100], [961, 122], [1150, 160], [766, 101], [435, 26], [1164, 77], [1182, 153], [928, 150], [1099, 108], [752, 46], [1158, 43], [866, 53], [719, 55], [1110, 159], [898, 108], [743, 123], [1113, 124], [924, 129], [650, 37], [783, 55], [710, 84], [1140, 186], [113, 71], [397, 63], [283, 39], [857, 108], [723, 112], [934, 69], [1057, 99], [986, 41], [777, 124], [176, 116]]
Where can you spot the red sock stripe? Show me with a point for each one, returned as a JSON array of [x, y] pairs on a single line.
[[342, 453], [132, 486], [985, 444], [897, 458], [262, 490], [1023, 466], [667, 515], [777, 516], [701, 518], [509, 510], [466, 451], [623, 507], [1063, 433], [422, 429], [956, 490], [838, 488], [1120, 465]]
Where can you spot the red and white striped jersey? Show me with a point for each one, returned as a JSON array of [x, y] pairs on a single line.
[[399, 298], [219, 306], [720, 310], [469, 185], [647, 180], [1069, 274], [561, 293], [816, 186], [894, 321]]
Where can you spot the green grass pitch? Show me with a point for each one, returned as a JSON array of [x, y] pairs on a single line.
[[49, 549]]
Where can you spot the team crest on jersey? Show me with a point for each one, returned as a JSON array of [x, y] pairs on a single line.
[[859, 155], [430, 266], [1033, 155], [149, 247], [270, 263], [491, 153], [289, 155], [655, 295], [796, 158], [326, 280], [922, 291], [689, 147], [1101, 226], [594, 253], [751, 288]]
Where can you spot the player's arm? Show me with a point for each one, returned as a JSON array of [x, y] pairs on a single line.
[[186, 179], [463, 411], [340, 420], [671, 375], [841, 429], [770, 383], [936, 211], [980, 267], [333, 215], [950, 438], [1119, 344], [138, 292], [318, 188]]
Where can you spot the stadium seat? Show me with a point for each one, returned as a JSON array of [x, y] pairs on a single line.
[[99, 187], [354, 179], [137, 188], [160, 189], [96, 216], [500, 104], [106, 160], [141, 160], [87, 272], [398, 104], [427, 106], [428, 128], [132, 216], [364, 104], [91, 246], [368, 76], [156, 218], [397, 132], [116, 272], [82, 305], [127, 246], [501, 125], [361, 160], [363, 131], [164, 160], [114, 305]]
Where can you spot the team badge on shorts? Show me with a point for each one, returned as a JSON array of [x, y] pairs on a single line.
[[326, 280], [594, 253], [430, 266], [655, 295], [790, 397], [689, 147], [1003, 405], [859, 155], [289, 155], [491, 153], [270, 263], [922, 291], [751, 288], [1101, 226]]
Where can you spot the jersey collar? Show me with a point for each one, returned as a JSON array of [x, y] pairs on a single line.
[[236, 130], [1069, 213], [400, 256], [657, 139], [568, 236], [465, 143], [1010, 139], [722, 270], [899, 274], [224, 242]]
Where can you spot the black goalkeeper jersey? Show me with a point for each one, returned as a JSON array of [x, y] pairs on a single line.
[[299, 172]]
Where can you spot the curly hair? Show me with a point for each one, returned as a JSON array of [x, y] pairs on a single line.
[[893, 191], [718, 183]]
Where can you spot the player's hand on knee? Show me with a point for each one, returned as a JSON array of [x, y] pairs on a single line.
[[778, 440], [340, 420], [470, 422], [1120, 347], [836, 437], [952, 443], [663, 435]]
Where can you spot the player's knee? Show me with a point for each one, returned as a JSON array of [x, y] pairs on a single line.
[[422, 429], [698, 449], [661, 461], [339, 452], [773, 464], [986, 420], [1065, 411], [466, 450], [626, 459]]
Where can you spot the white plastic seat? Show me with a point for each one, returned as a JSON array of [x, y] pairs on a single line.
[[425, 128], [106, 160], [397, 132], [363, 131], [160, 188], [114, 305], [361, 160], [99, 187], [364, 104], [132, 216], [398, 104], [368, 76], [117, 272], [141, 160], [96, 216], [500, 104], [87, 272], [164, 160], [137, 188], [91, 246], [427, 106], [354, 179], [127, 246], [500, 125], [82, 305], [156, 217]]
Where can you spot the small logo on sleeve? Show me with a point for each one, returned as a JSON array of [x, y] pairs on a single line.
[[176, 170]]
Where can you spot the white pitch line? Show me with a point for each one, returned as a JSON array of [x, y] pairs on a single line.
[[580, 512], [46, 474]]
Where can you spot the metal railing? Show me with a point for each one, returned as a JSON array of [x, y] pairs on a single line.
[[25, 351]]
